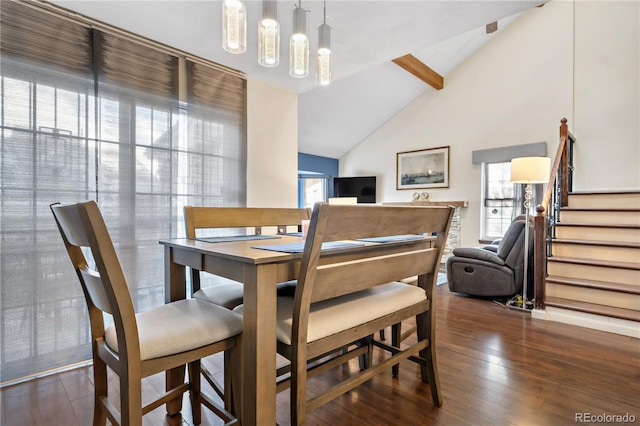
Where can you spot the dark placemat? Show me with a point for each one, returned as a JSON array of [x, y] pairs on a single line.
[[228, 238], [392, 238], [299, 247]]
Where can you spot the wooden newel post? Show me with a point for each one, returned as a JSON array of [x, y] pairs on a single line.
[[564, 128], [539, 257], [564, 135]]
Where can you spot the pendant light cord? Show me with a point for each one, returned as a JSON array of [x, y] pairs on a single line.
[[324, 12]]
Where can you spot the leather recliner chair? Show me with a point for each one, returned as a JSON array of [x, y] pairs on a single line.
[[494, 270]]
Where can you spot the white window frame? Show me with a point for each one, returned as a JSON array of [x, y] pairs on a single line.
[[506, 220]]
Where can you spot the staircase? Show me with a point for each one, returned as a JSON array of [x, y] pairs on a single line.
[[595, 264]]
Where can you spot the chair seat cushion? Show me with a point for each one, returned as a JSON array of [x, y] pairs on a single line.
[[228, 295], [180, 326], [413, 280], [334, 315]]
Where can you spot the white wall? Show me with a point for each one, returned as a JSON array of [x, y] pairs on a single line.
[[272, 146], [514, 91], [607, 94]]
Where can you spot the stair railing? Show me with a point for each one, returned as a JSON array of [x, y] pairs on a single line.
[[548, 212]]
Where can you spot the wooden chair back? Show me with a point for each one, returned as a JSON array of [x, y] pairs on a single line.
[[83, 230], [242, 217], [239, 217], [377, 264], [103, 282], [349, 272]]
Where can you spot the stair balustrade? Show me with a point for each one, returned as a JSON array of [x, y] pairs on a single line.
[[555, 197]]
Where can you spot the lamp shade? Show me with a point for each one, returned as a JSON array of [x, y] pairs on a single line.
[[530, 169]]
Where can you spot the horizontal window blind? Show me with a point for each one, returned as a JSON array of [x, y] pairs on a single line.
[[31, 34], [506, 153], [130, 65], [92, 114], [214, 143]]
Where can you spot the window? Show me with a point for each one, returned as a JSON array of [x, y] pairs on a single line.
[[503, 200], [498, 199], [77, 122], [315, 174], [312, 187]]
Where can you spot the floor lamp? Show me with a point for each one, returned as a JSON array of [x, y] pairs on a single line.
[[527, 170]]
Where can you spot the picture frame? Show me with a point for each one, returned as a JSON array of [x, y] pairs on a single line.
[[423, 168]]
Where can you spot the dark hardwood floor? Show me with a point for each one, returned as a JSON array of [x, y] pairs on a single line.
[[497, 367]]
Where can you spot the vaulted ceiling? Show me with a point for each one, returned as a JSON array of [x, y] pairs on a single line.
[[367, 89]]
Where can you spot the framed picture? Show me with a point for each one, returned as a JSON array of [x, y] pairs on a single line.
[[425, 168]]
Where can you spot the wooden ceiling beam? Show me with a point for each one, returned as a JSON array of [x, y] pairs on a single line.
[[413, 65]]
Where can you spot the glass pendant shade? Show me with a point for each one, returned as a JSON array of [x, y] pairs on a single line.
[[234, 26], [269, 35], [299, 45], [324, 54]]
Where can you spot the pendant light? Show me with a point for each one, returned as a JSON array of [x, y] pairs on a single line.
[[234, 26], [269, 35], [324, 50], [299, 44]]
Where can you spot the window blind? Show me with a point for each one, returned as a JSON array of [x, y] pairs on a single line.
[[95, 115], [31, 34], [506, 153], [129, 65], [215, 94]]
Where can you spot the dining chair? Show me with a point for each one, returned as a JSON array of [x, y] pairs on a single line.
[[352, 293], [409, 280], [139, 345], [229, 294]]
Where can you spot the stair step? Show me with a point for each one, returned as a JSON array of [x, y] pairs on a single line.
[[598, 225], [589, 293], [594, 269], [629, 216], [598, 232], [592, 308], [592, 262], [618, 244], [598, 285], [611, 199], [597, 250], [601, 209]]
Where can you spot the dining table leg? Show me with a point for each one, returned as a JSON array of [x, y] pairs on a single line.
[[174, 289], [259, 346]]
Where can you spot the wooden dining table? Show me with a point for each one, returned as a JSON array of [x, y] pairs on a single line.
[[259, 270]]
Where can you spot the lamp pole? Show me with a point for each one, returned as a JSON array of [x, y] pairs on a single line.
[[527, 205], [527, 170]]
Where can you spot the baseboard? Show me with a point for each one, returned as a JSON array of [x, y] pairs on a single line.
[[582, 319]]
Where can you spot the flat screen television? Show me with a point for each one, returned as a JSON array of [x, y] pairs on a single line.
[[362, 187]]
